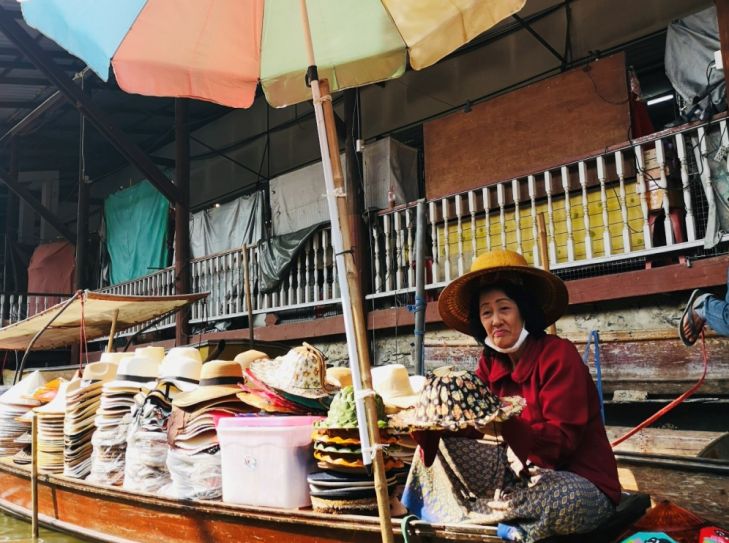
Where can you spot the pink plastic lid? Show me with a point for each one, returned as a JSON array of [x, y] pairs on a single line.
[[266, 421]]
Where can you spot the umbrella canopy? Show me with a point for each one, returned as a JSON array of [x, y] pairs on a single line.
[[218, 50]]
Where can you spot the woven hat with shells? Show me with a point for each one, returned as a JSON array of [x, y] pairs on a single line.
[[454, 400]]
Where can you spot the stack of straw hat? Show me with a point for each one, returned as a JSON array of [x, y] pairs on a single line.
[[344, 485], [114, 414], [50, 431], [82, 401]]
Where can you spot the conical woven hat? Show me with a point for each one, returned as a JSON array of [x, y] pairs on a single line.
[[548, 290]]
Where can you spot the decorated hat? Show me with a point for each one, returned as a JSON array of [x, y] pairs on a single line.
[[301, 371], [218, 378], [343, 411], [393, 384], [453, 400], [492, 267]]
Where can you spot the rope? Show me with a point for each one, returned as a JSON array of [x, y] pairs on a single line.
[[594, 337], [674, 403]]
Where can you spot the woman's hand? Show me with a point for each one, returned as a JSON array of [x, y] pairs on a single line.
[[492, 429]]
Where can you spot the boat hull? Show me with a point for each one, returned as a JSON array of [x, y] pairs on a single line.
[[113, 515]]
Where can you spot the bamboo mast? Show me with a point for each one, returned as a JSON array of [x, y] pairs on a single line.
[[349, 285], [112, 332], [34, 477]]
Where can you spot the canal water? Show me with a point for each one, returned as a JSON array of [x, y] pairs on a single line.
[[17, 531]]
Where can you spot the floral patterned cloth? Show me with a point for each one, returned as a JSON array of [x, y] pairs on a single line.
[[471, 481]]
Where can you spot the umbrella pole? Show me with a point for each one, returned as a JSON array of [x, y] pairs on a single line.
[[112, 332], [34, 477], [350, 291]]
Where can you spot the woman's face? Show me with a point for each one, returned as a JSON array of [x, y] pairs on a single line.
[[500, 317]]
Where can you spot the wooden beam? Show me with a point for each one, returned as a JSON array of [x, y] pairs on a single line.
[[39, 208], [722, 16], [101, 122]]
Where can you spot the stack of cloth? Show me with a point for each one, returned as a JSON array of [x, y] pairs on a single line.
[[113, 417], [344, 485], [399, 391], [293, 384], [193, 459], [50, 431], [145, 467], [82, 402], [14, 403]]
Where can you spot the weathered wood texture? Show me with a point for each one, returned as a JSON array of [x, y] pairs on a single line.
[[705, 494], [114, 515], [569, 115], [663, 441], [657, 367]]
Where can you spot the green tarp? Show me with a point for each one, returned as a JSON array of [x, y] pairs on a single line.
[[136, 232]]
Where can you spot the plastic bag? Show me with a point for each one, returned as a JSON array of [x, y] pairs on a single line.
[[145, 468], [107, 458], [194, 477]]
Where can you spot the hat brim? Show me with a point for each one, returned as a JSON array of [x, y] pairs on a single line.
[[205, 394], [548, 290], [408, 420], [402, 402]]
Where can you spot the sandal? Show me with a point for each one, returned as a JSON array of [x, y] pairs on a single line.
[[691, 322]]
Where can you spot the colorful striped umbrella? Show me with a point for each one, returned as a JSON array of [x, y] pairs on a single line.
[[218, 50]]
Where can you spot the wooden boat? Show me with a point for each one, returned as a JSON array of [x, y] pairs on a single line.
[[689, 468]]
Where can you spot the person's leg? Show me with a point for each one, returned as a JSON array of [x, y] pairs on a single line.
[[714, 311]]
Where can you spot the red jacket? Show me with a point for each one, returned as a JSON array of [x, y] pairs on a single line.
[[561, 427]]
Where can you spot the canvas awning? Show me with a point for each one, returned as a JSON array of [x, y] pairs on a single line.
[[98, 314]]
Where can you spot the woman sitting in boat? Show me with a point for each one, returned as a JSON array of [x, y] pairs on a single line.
[[568, 475]]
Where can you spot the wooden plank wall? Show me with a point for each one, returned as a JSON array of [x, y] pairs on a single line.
[[534, 128]]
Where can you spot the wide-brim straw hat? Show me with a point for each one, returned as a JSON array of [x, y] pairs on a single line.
[[247, 357], [22, 392], [135, 372], [218, 378], [181, 367], [393, 384], [492, 267]]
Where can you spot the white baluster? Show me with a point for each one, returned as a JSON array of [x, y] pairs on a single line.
[[472, 211], [663, 184], [585, 209], [500, 197], [516, 195], [388, 254], [620, 169], [551, 237], [435, 240], [446, 243], [326, 253], [486, 195], [317, 290], [601, 176], [565, 174], [376, 251], [335, 277], [688, 201], [411, 247], [399, 250], [643, 195], [531, 186], [459, 230], [307, 267]]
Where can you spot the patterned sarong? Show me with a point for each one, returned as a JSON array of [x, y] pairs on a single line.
[[471, 481]]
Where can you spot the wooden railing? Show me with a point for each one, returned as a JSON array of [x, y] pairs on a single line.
[[606, 208]]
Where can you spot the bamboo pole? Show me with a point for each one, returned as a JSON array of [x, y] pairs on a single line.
[[360, 326], [247, 287], [112, 332], [34, 477], [544, 256]]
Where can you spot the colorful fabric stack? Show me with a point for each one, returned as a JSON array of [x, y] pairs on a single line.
[[82, 402], [145, 467], [344, 486], [293, 384], [114, 415], [50, 431], [14, 403], [193, 459]]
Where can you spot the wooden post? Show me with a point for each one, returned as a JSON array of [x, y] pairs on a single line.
[[247, 287], [360, 324], [112, 332], [182, 218], [82, 211], [11, 223], [722, 16], [544, 256], [34, 477]]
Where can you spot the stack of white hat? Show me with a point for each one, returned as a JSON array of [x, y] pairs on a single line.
[[109, 441], [15, 403]]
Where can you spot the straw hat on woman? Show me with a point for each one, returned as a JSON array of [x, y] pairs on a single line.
[[505, 304]]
